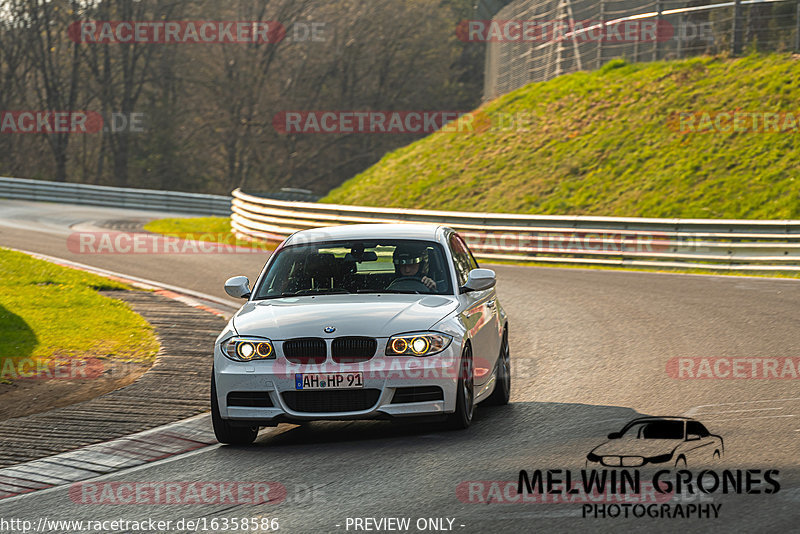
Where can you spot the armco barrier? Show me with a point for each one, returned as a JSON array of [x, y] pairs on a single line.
[[751, 245], [117, 197]]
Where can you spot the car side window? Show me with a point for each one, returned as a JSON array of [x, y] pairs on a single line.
[[462, 259], [693, 427], [473, 264]]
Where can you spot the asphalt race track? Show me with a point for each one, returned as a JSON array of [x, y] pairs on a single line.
[[590, 351]]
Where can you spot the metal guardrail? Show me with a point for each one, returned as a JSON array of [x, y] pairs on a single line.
[[117, 197], [751, 245]]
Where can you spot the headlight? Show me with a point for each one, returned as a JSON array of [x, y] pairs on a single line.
[[660, 459], [247, 349], [423, 344]]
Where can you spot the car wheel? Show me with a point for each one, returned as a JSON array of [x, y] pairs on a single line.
[[716, 456], [465, 398], [223, 430], [502, 387], [680, 462]]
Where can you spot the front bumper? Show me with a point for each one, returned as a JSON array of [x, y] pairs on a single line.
[[383, 376]]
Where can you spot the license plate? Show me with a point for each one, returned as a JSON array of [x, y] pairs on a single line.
[[306, 381]]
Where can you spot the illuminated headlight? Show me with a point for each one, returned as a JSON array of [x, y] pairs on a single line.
[[423, 344], [247, 349]]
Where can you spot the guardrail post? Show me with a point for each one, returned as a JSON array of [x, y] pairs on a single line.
[[797, 29], [736, 32], [659, 20]]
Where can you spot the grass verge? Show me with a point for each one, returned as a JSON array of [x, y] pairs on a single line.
[[209, 229], [50, 313], [610, 142]]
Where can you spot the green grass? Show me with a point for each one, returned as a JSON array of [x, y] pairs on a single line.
[[601, 143], [51, 312], [213, 229], [192, 225]]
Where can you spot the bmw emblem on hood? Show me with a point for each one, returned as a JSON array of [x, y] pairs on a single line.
[[329, 329]]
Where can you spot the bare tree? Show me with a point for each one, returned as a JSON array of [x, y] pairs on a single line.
[[121, 71], [210, 107], [378, 55], [55, 66], [12, 78], [240, 82]]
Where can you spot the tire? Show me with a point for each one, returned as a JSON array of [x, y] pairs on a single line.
[[680, 462], [465, 398], [502, 388], [223, 430]]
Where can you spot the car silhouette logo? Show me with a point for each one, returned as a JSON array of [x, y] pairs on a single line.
[[676, 441], [329, 329]]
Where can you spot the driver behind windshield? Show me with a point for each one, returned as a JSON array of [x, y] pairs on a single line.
[[408, 263]]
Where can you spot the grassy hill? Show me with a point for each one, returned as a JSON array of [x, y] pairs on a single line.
[[609, 142]]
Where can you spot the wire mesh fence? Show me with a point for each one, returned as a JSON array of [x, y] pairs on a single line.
[[537, 40]]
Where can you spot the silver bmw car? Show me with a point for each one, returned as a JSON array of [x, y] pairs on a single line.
[[374, 321]]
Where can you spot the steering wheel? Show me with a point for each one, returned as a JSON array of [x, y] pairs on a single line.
[[409, 283]]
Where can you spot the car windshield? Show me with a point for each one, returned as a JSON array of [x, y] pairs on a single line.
[[656, 430], [360, 266]]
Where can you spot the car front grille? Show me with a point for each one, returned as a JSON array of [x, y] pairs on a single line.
[[250, 399], [353, 349], [622, 461], [351, 400], [417, 394], [305, 350]]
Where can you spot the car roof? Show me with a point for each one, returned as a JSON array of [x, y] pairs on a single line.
[[665, 418], [366, 231]]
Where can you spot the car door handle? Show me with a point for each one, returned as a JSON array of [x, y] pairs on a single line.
[[490, 303]]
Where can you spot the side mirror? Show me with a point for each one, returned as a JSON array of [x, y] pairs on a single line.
[[614, 435], [238, 287], [479, 280]]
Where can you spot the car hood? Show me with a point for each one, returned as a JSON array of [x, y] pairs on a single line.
[[378, 315], [637, 447]]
